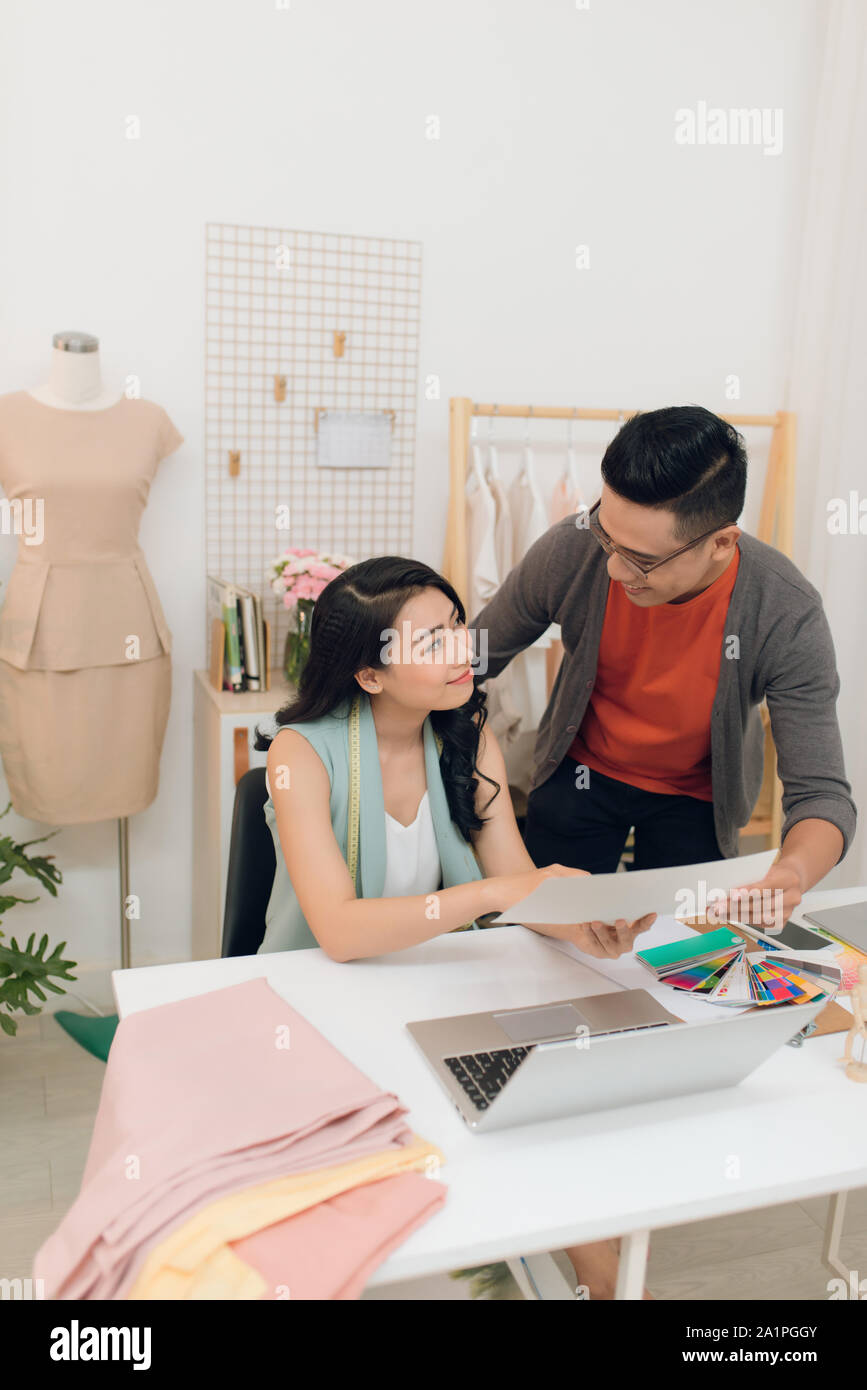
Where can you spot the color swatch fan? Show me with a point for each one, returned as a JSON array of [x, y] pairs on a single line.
[[719, 967]]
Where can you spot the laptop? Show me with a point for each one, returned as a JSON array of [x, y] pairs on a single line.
[[847, 924], [576, 1056]]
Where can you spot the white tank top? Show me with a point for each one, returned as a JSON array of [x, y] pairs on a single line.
[[412, 861]]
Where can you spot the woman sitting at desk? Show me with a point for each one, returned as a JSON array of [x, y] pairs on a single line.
[[387, 706], [388, 725]]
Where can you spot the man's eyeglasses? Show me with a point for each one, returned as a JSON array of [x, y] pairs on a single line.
[[637, 568]]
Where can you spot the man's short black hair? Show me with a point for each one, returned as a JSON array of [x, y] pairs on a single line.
[[683, 459]]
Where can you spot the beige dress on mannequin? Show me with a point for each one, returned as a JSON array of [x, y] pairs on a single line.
[[85, 664]]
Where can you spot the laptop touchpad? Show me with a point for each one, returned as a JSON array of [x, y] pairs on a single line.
[[542, 1024]]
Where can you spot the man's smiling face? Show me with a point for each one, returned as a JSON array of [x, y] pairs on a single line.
[[648, 535]]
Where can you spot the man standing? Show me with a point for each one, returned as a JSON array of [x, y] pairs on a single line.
[[675, 625]]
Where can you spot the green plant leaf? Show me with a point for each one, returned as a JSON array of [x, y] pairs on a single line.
[[13, 856], [28, 971], [6, 903]]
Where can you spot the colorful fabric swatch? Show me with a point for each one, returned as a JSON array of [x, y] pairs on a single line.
[[701, 977], [740, 976]]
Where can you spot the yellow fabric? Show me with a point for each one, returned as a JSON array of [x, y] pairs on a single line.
[[194, 1261]]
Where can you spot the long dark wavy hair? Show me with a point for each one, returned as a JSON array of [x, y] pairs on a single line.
[[348, 632]]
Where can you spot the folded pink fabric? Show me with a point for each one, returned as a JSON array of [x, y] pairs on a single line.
[[331, 1250], [201, 1098], [129, 1254]]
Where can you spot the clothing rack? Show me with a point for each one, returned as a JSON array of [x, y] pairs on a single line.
[[776, 521], [776, 527]]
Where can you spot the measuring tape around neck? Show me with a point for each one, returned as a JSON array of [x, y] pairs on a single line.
[[354, 790]]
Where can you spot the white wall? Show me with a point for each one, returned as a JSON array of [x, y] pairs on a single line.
[[556, 129]]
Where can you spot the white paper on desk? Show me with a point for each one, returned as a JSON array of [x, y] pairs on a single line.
[[605, 897], [629, 973]]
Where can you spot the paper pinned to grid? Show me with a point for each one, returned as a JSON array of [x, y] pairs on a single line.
[[354, 439]]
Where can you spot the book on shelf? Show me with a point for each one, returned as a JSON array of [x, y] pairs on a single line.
[[244, 634]]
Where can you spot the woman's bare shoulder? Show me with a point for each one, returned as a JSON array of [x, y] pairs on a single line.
[[290, 749]]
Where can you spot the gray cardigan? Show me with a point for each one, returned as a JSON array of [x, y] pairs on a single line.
[[786, 655]]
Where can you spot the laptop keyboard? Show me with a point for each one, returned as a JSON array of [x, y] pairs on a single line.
[[482, 1075]]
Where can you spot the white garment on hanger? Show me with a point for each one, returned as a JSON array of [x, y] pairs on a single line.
[[503, 539], [412, 861], [529, 522], [483, 578]]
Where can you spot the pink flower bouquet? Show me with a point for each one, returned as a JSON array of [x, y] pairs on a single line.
[[298, 577]]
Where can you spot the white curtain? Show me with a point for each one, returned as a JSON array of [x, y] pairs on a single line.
[[828, 382]]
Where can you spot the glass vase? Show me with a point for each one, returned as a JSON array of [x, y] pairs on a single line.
[[297, 647]]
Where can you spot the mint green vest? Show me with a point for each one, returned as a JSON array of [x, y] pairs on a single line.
[[286, 928]]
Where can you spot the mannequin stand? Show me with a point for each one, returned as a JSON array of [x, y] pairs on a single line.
[[95, 1034], [123, 867]]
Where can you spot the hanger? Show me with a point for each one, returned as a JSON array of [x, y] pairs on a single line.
[[477, 471], [570, 471], [493, 468], [527, 474]]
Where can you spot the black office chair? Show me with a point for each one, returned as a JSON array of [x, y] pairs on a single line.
[[252, 865]]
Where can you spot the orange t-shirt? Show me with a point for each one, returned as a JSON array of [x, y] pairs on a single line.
[[648, 720]]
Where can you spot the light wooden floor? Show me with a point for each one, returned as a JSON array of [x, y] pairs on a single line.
[[49, 1092]]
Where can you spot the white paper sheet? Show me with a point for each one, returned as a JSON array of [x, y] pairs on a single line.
[[606, 897], [629, 973], [353, 439]]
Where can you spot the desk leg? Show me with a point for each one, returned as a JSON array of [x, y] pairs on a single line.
[[522, 1279], [632, 1268], [833, 1232]]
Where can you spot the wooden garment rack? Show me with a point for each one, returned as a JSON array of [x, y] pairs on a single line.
[[776, 522], [776, 527]]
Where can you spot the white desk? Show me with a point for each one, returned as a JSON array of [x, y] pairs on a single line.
[[542, 1187]]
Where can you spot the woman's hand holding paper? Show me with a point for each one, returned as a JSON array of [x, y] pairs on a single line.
[[598, 938], [601, 939]]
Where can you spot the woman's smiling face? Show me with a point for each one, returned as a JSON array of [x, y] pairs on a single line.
[[426, 655]]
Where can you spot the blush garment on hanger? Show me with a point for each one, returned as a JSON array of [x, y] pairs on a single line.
[[565, 499], [85, 651], [504, 717]]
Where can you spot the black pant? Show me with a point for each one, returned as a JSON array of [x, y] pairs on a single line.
[[587, 827]]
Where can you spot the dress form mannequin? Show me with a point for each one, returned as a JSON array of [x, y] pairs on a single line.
[[74, 377], [67, 679], [75, 383]]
